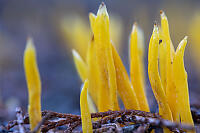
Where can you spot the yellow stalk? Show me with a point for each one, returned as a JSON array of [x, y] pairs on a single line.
[[170, 91], [163, 60], [92, 18], [33, 84], [181, 84], [154, 77], [93, 74], [124, 87], [82, 69], [165, 30], [105, 62], [91, 105], [116, 29], [76, 33], [136, 66], [85, 112], [81, 66]]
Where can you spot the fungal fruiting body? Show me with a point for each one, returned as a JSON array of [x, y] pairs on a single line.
[[169, 49], [181, 84], [80, 65], [137, 67], [33, 84], [85, 112], [76, 32], [176, 88], [104, 75], [107, 94], [106, 72], [154, 76], [108, 77], [124, 87]]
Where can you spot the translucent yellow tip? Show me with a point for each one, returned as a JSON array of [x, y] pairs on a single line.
[[182, 44], [80, 65], [29, 44], [134, 27], [102, 10], [92, 18]]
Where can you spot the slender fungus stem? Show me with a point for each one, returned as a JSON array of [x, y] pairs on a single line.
[[85, 113], [81, 66], [162, 60], [76, 33], [92, 18], [180, 76], [124, 87], [136, 67], [93, 75], [170, 91], [33, 84], [107, 93], [82, 69], [165, 30], [154, 76]]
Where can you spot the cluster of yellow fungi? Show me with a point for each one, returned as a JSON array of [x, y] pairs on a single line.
[[105, 77]]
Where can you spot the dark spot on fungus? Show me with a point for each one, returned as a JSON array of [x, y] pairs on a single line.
[[160, 41], [92, 37]]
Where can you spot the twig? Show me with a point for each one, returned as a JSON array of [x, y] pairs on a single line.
[[20, 119], [72, 126], [50, 125], [142, 129], [158, 122], [123, 117], [37, 128]]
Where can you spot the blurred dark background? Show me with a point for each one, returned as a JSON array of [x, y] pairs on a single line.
[[60, 82]]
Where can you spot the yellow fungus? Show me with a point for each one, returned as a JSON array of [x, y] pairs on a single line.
[[124, 87], [181, 84], [76, 33], [107, 74], [136, 68], [85, 112], [162, 60], [33, 84], [93, 74], [154, 77], [100, 50], [165, 30], [171, 94], [82, 69], [107, 84], [91, 105], [112, 79], [92, 18], [81, 66]]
